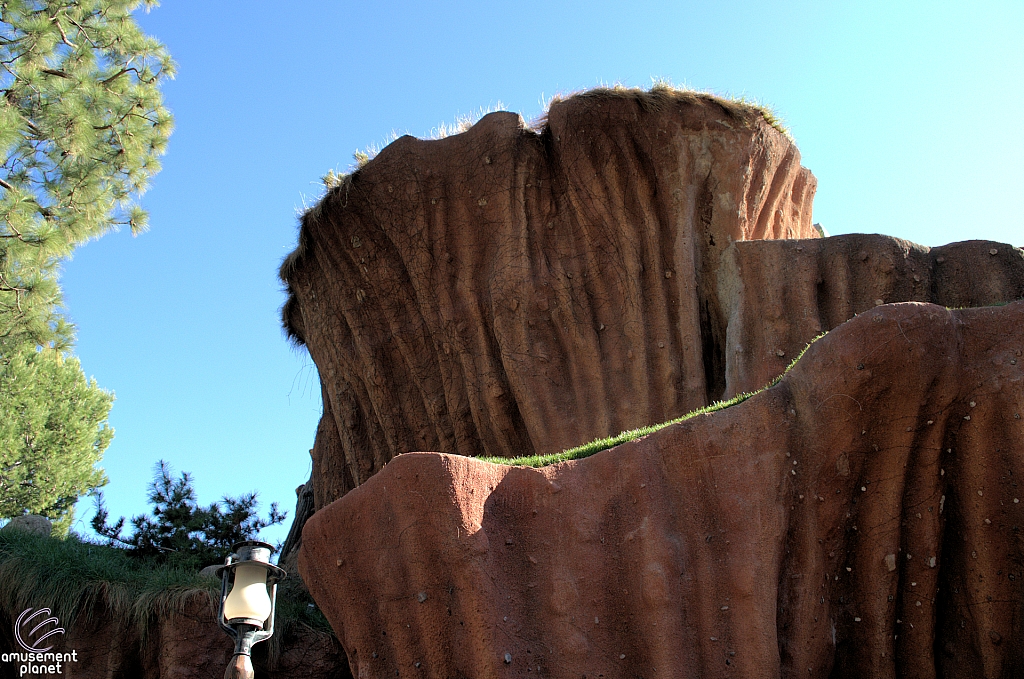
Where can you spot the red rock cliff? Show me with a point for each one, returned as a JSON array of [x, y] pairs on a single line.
[[776, 296], [859, 519], [508, 291]]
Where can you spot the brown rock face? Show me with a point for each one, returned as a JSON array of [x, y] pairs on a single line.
[[506, 291], [180, 642], [779, 295], [859, 519]]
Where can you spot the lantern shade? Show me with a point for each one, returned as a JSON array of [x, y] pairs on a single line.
[[247, 611], [248, 599]]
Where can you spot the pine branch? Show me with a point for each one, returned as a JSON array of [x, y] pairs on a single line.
[[82, 30], [63, 35], [59, 74], [118, 75]]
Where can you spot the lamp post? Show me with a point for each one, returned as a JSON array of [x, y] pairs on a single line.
[[248, 599]]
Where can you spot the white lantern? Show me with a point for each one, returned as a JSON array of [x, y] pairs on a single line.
[[247, 601]]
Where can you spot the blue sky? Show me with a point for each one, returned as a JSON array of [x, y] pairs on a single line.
[[906, 112]]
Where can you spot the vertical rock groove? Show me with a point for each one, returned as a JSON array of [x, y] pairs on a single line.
[[508, 291]]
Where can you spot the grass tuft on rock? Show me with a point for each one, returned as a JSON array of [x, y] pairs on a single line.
[[597, 445]]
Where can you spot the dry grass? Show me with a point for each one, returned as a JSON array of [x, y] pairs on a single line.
[[76, 578], [661, 94], [362, 156]]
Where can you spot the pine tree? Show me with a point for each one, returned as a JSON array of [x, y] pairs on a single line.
[[82, 126], [181, 532], [53, 431]]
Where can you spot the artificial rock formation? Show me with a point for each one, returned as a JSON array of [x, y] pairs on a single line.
[[859, 519], [179, 641], [776, 296], [510, 291], [30, 523]]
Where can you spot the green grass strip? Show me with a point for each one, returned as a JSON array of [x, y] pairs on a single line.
[[597, 445]]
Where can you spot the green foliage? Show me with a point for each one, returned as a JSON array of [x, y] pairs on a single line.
[[181, 532], [73, 575], [53, 431], [82, 125]]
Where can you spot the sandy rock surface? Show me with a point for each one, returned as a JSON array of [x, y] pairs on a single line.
[[859, 519], [510, 291]]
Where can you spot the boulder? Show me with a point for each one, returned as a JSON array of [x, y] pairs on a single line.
[[210, 571], [859, 518], [30, 523], [512, 291]]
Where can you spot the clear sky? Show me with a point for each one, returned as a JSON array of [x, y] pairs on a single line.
[[907, 112]]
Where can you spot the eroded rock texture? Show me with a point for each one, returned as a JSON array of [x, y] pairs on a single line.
[[777, 296], [859, 519], [508, 291]]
